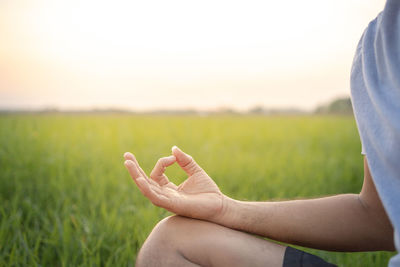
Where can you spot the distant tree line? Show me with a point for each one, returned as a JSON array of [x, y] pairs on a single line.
[[340, 106]]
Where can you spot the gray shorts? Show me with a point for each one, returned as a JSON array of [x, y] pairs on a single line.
[[297, 258]]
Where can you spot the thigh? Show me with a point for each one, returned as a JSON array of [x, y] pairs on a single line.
[[209, 244]]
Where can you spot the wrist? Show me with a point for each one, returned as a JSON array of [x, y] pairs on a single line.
[[226, 216]]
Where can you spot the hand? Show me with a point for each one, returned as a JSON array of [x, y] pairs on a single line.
[[197, 197]]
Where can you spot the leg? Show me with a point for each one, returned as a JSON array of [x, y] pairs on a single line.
[[180, 241]]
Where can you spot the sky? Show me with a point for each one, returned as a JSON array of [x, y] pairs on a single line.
[[178, 54]]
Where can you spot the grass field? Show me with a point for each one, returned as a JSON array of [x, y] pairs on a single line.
[[66, 199]]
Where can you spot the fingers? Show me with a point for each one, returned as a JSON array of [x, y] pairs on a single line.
[[161, 179], [130, 156], [133, 169], [149, 188], [153, 193], [157, 174], [186, 162]]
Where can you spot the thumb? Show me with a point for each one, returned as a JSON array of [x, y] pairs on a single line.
[[186, 162]]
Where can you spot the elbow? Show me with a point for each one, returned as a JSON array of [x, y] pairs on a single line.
[[380, 232]]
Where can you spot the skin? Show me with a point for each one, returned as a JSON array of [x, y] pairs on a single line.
[[210, 230]]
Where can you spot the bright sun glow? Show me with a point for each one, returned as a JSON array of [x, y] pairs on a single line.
[[177, 54]]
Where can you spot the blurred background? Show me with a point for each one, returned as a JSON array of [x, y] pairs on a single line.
[[256, 91], [208, 55]]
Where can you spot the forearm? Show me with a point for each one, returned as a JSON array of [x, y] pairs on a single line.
[[340, 223], [343, 222]]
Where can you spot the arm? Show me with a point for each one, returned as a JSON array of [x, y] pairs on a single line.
[[347, 222]]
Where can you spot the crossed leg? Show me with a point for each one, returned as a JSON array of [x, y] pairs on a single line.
[[181, 241]]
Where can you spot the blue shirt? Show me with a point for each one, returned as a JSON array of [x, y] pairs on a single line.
[[375, 90]]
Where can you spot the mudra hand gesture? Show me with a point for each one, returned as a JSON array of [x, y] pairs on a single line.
[[197, 197]]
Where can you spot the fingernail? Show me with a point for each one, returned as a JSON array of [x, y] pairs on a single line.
[[174, 147]]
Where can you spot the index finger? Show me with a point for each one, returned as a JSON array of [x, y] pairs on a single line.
[[157, 174]]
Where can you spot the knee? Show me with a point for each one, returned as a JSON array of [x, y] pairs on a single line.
[[167, 232], [163, 242]]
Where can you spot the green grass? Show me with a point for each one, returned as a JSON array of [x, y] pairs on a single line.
[[66, 199]]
